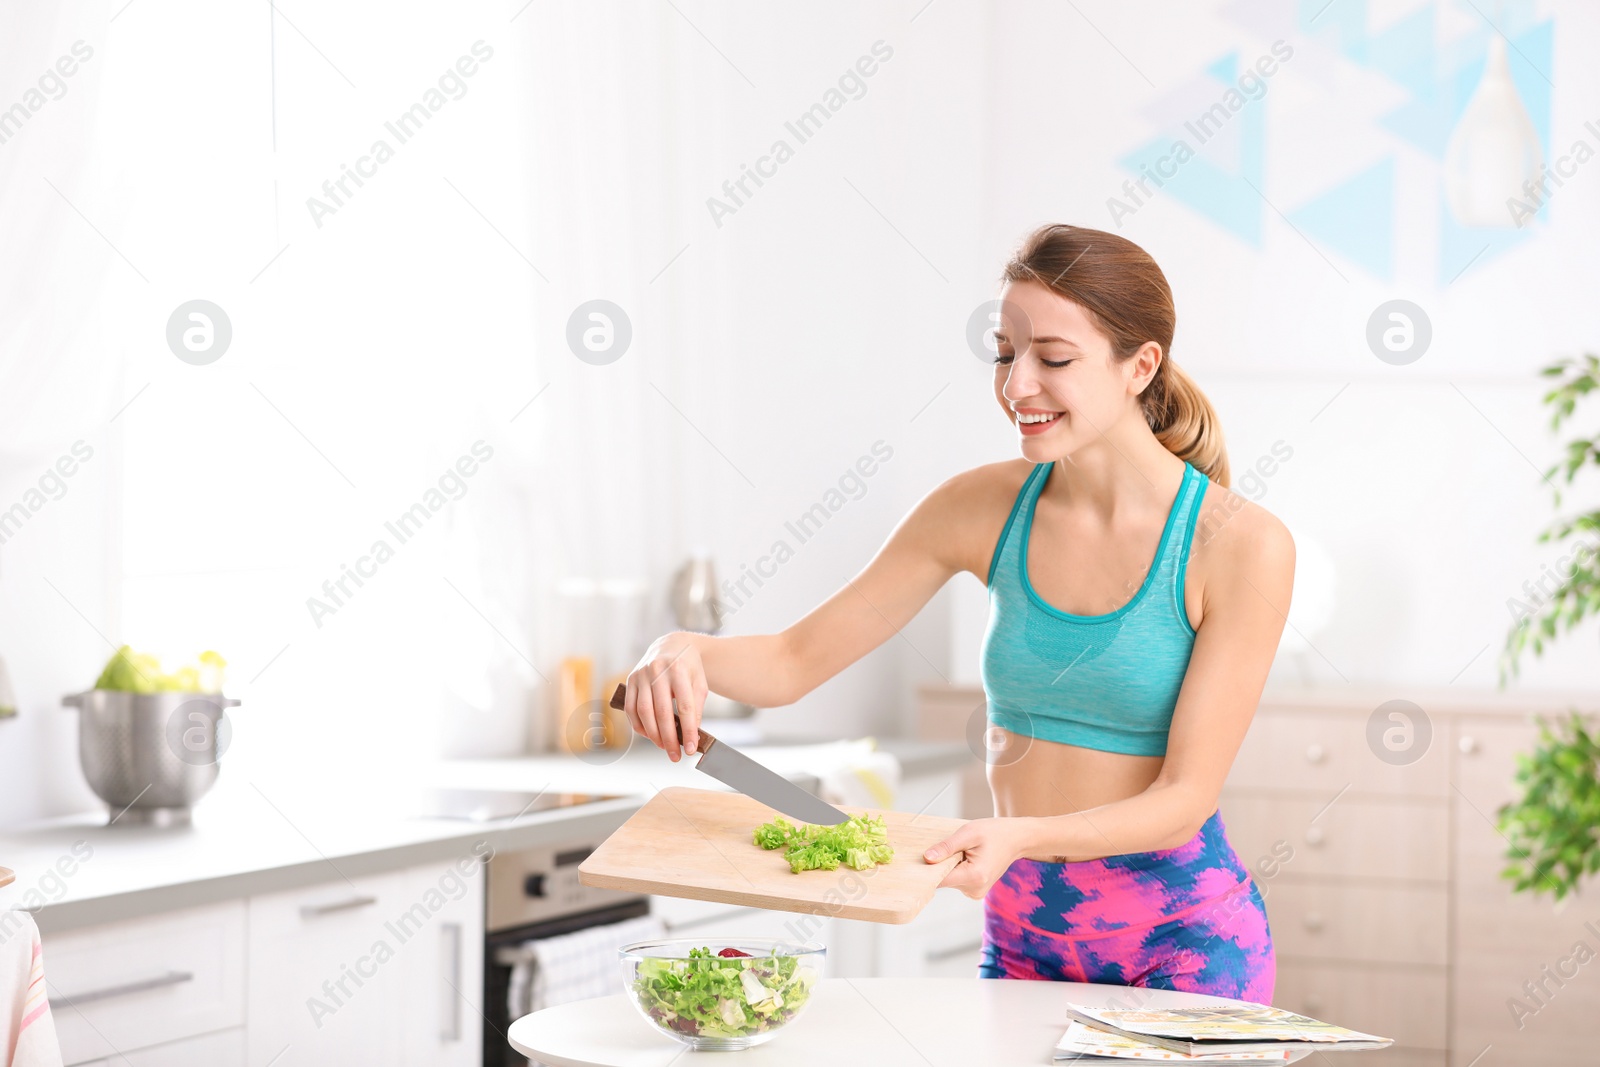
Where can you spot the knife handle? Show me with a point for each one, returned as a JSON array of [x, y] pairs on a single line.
[[618, 701]]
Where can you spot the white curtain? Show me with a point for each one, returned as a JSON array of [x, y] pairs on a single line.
[[625, 107], [54, 362], [59, 385], [376, 343], [382, 329]]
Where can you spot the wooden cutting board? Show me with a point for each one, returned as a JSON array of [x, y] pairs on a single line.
[[697, 843]]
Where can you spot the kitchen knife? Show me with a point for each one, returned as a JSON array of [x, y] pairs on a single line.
[[733, 768]]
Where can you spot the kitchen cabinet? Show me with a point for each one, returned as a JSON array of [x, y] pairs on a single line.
[[945, 939], [381, 968], [1389, 913], [327, 967], [734, 922], [225, 1048], [1352, 854], [1381, 874], [444, 982], [125, 986], [1405, 1003], [957, 714], [942, 941], [1526, 979], [1355, 923], [1398, 841]]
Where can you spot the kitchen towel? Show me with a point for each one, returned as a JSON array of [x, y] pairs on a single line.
[[27, 1030], [554, 970]]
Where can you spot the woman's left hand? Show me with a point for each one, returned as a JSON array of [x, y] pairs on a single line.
[[988, 847]]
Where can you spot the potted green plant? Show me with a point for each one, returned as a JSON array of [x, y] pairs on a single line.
[[1552, 828]]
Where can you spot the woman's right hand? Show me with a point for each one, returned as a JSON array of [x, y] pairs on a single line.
[[669, 671]]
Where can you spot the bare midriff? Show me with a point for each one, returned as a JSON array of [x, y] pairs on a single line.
[[1031, 777]]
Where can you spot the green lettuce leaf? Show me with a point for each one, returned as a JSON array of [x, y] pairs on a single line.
[[861, 842]]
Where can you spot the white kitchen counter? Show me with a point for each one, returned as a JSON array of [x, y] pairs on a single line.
[[244, 841], [241, 844], [889, 1022]]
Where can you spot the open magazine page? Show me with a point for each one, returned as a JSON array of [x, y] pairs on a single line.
[[1224, 1022]]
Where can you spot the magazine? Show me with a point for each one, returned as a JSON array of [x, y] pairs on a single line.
[[1235, 1027], [1087, 1045]]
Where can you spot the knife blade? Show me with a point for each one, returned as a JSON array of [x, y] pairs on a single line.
[[733, 768]]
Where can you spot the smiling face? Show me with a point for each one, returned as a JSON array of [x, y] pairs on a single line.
[[1057, 378]]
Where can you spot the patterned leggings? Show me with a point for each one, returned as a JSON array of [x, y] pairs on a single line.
[[1188, 918]]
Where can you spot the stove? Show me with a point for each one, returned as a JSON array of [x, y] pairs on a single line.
[[532, 894], [489, 805]]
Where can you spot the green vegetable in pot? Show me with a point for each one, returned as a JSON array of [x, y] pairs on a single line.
[[140, 672], [860, 842]]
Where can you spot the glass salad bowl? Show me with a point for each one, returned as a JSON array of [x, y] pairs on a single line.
[[721, 994]]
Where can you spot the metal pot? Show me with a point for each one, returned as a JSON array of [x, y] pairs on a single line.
[[694, 596], [150, 756]]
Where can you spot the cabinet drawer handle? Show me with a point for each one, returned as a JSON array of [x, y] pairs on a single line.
[[311, 911], [673, 927], [72, 1000], [450, 953], [1315, 836], [1315, 753], [1314, 923], [1468, 744]]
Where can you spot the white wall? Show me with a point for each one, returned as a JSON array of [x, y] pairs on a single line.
[[370, 351], [1417, 490], [770, 352]]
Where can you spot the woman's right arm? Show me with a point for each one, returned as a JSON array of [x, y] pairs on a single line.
[[949, 530]]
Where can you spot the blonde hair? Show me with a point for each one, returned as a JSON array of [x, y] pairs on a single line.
[[1128, 298]]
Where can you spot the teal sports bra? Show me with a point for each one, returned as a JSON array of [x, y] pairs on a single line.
[[1107, 682]]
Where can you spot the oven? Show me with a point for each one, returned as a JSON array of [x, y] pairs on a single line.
[[535, 894]]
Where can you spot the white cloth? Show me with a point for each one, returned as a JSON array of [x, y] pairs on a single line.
[[576, 966], [27, 1029], [584, 964]]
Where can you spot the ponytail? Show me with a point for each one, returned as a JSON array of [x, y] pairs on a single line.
[[1184, 421]]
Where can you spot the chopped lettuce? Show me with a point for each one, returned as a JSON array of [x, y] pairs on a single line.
[[140, 672], [775, 833], [715, 995], [861, 842]]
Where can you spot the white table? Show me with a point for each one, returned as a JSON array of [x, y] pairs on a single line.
[[888, 1022]]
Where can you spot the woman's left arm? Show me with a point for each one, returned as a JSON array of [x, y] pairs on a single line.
[[1245, 604]]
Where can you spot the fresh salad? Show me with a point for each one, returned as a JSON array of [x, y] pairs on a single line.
[[860, 842], [726, 994]]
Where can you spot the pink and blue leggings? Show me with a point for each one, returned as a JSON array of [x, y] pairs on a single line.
[[1188, 918]]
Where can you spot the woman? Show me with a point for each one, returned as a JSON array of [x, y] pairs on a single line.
[[1135, 606]]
